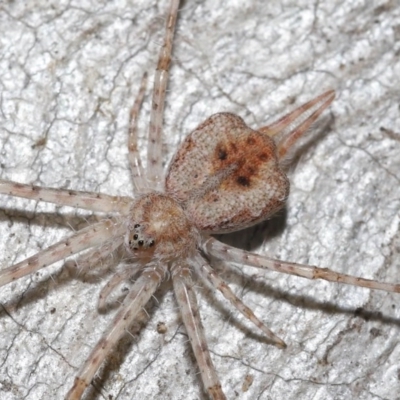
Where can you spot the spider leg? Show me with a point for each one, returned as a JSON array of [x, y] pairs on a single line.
[[96, 260], [114, 282], [229, 253], [284, 129], [204, 270], [83, 239], [186, 297], [154, 150], [136, 299], [63, 197], [96, 256], [135, 160]]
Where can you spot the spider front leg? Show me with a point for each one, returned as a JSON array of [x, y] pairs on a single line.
[[136, 299], [63, 197], [83, 239], [154, 151], [135, 160], [186, 297], [96, 256], [117, 278]]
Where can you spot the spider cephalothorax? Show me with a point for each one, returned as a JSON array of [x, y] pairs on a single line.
[[158, 228]]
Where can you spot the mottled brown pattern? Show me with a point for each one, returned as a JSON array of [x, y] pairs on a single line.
[[225, 157]]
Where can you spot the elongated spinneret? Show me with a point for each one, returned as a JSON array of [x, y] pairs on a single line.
[[290, 128]]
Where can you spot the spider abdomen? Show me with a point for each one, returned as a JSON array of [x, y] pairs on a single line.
[[227, 175]]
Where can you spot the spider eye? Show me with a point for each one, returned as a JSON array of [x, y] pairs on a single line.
[[140, 242], [135, 237], [136, 226], [151, 244]]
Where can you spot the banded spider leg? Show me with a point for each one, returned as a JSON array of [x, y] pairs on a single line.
[[134, 224]]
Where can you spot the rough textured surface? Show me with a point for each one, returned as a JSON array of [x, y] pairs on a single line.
[[68, 74], [227, 175]]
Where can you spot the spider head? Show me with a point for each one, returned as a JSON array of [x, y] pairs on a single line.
[[159, 229], [138, 240]]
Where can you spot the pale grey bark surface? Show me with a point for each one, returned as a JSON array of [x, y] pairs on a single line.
[[69, 72]]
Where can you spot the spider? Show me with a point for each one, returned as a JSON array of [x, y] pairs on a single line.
[[188, 207]]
